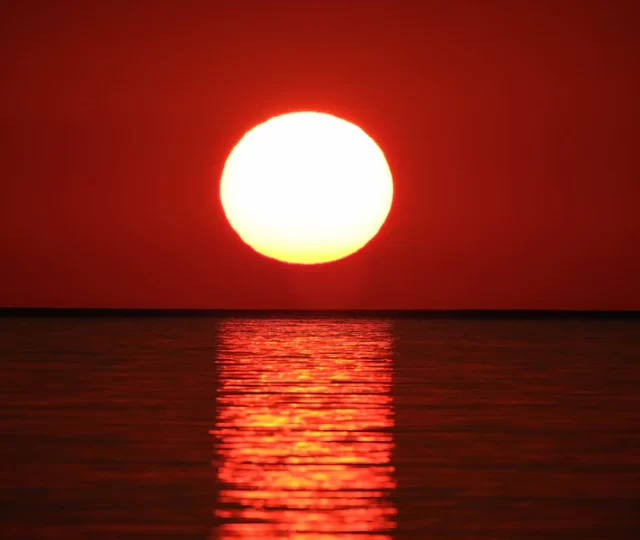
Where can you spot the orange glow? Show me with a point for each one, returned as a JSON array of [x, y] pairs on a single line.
[[306, 188], [303, 430]]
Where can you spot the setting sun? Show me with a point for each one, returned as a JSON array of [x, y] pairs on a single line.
[[306, 188]]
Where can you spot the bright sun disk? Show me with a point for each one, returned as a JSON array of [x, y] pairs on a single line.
[[306, 188]]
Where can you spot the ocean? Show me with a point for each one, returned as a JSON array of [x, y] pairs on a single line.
[[319, 427]]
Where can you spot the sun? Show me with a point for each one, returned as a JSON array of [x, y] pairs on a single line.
[[306, 187]]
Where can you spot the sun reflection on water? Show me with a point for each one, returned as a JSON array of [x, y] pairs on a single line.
[[304, 429]]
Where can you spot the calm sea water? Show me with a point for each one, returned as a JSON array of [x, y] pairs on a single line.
[[319, 428]]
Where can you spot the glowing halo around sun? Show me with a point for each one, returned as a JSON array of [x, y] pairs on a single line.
[[306, 188]]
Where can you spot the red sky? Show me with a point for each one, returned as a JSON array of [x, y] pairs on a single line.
[[511, 129]]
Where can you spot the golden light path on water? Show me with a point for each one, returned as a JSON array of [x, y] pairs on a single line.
[[304, 429]]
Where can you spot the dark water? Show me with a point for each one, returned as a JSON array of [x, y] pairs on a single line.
[[319, 428]]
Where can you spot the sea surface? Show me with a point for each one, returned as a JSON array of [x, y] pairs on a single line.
[[319, 428]]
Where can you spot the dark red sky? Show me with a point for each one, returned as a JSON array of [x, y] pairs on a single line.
[[511, 129]]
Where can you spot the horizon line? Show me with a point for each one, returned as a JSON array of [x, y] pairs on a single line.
[[271, 312]]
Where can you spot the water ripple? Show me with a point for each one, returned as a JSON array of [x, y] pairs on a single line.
[[303, 429]]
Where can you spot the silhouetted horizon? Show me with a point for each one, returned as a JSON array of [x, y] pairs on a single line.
[[504, 314]]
